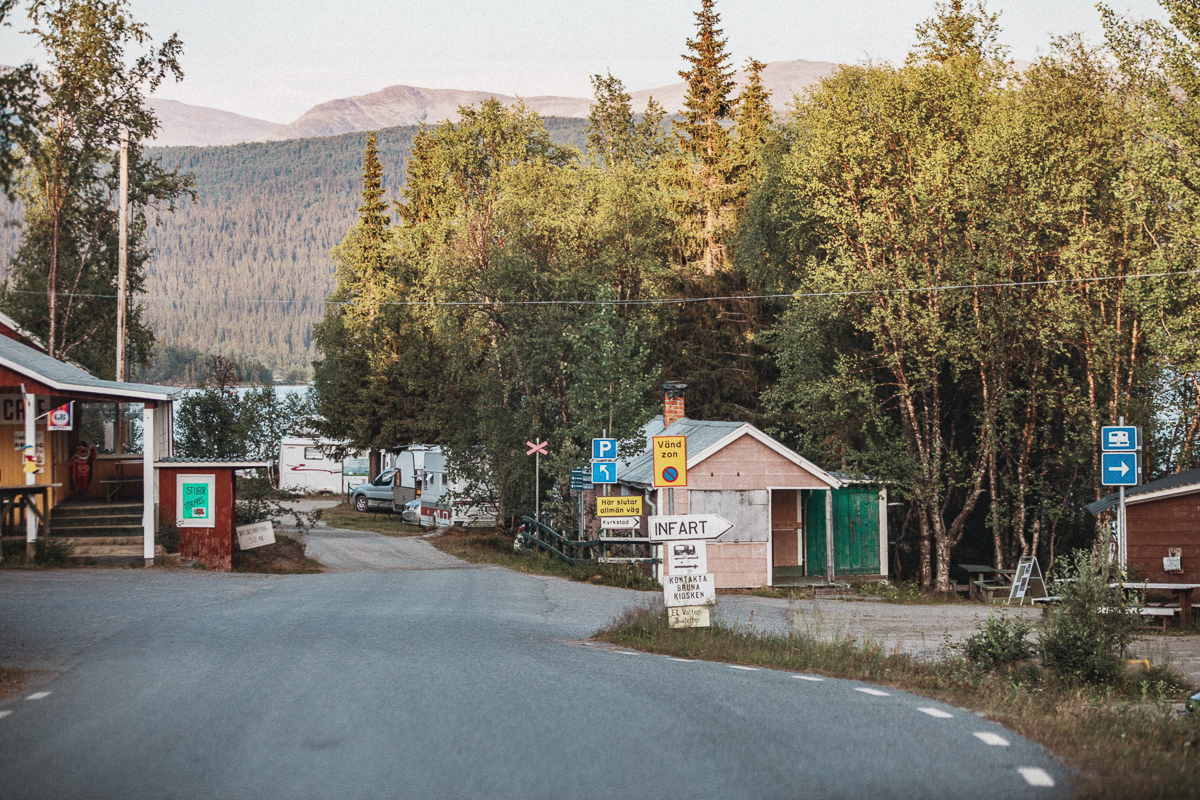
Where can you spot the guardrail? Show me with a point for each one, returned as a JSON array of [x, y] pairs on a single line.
[[591, 551]]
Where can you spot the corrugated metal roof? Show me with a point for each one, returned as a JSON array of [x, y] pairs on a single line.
[[1188, 477], [700, 434], [60, 375]]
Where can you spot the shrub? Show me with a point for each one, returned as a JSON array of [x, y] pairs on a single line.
[[51, 552], [1086, 636], [999, 642]]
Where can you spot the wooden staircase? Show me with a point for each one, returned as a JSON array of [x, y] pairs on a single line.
[[102, 534]]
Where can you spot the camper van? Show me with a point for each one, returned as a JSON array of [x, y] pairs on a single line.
[[304, 467], [439, 506]]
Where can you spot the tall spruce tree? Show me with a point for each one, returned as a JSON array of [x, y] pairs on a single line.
[[704, 138]]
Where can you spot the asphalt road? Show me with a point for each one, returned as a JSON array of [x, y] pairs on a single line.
[[438, 682]]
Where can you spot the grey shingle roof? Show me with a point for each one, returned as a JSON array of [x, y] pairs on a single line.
[[1186, 478], [639, 471], [59, 375]]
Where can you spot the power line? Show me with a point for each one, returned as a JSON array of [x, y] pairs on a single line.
[[798, 295]]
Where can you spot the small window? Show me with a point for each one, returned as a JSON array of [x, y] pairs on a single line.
[[313, 454]]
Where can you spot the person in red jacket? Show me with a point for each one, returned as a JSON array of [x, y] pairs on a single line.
[[82, 466]]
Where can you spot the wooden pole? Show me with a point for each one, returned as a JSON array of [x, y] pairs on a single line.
[[123, 254]]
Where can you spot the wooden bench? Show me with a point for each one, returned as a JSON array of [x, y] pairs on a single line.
[[988, 589], [113, 486]]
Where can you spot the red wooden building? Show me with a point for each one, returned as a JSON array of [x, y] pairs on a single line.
[[1162, 521]]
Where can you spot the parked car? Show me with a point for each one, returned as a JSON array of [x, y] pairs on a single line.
[[376, 494], [411, 513]]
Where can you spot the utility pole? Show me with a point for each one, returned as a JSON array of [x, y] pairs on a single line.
[[123, 254], [122, 283]]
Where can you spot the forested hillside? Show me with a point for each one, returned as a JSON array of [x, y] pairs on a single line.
[[245, 268]]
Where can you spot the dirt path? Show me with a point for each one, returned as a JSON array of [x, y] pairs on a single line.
[[342, 550]]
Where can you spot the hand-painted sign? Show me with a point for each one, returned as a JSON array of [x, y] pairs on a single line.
[[689, 590], [688, 617], [619, 506], [687, 526], [255, 534], [195, 501], [670, 461]]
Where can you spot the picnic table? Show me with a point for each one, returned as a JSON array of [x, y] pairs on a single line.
[[1183, 591], [1001, 580], [10, 501], [113, 486]]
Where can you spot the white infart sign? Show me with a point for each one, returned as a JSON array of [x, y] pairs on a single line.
[[255, 535], [689, 590], [687, 557], [687, 526]]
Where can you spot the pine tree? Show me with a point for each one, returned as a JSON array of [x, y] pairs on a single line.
[[703, 137]]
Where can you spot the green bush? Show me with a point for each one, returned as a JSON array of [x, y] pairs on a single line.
[[999, 642], [52, 552], [1085, 638]]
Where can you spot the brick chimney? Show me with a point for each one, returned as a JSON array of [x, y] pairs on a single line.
[[672, 402]]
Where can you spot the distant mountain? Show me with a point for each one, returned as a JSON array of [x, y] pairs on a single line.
[[398, 106], [410, 105], [183, 125]]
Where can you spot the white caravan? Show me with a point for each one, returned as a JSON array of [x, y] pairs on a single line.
[[304, 467], [425, 466]]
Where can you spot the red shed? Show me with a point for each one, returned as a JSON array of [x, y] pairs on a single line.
[[1162, 521], [198, 497]]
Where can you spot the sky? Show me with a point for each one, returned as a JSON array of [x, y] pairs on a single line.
[[275, 59]]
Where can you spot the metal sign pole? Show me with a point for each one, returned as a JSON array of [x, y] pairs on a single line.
[[1121, 532], [537, 484]]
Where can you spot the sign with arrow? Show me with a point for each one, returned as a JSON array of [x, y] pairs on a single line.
[[687, 526], [619, 523], [1118, 469]]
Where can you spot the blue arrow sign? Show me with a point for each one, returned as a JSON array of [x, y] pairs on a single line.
[[1118, 469], [604, 449], [1119, 439], [604, 472]]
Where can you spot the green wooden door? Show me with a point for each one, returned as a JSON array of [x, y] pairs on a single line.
[[856, 531], [814, 532]]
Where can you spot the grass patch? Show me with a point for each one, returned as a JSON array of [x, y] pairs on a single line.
[[285, 557], [903, 594], [486, 546], [344, 516], [1125, 739]]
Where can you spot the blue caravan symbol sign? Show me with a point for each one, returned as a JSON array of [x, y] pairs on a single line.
[[1119, 439]]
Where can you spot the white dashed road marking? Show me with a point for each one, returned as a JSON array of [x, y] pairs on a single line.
[[992, 739], [4, 714], [38, 695], [872, 692], [1035, 776], [807, 678], [748, 669], [684, 660], [936, 712]]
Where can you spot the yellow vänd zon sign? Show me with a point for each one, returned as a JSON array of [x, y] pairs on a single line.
[[618, 506], [670, 461]]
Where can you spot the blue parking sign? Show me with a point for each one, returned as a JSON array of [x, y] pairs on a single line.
[[604, 449], [604, 472]]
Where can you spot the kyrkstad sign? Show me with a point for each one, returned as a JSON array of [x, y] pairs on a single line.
[[619, 506], [619, 523]]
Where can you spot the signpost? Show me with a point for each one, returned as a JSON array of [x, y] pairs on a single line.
[[537, 450], [255, 534], [1120, 445], [687, 526], [604, 472], [604, 449], [1028, 572], [670, 461], [689, 589], [619, 523], [581, 479], [628, 506], [687, 557]]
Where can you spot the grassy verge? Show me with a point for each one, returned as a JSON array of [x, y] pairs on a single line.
[[902, 594], [344, 516], [1126, 741], [481, 546], [285, 557]]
